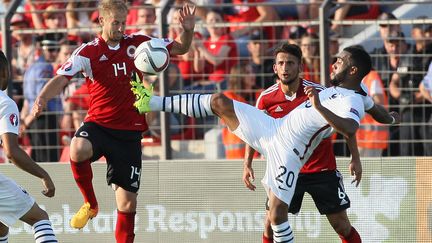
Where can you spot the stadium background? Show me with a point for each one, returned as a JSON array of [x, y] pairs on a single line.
[[198, 198]]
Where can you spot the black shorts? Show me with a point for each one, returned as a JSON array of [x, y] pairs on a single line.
[[122, 150], [326, 189]]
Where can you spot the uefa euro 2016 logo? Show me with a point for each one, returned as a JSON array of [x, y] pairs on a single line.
[[13, 118]]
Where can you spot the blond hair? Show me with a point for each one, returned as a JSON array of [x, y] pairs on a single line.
[[106, 7]]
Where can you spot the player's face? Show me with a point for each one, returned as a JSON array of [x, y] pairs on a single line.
[[113, 25], [287, 68], [340, 69]]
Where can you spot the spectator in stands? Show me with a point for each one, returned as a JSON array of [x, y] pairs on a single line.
[[146, 16], [373, 137], [426, 90], [189, 63], [294, 34], [404, 88], [423, 45], [311, 62], [219, 52], [72, 118], [52, 19], [261, 60], [239, 88], [350, 11], [385, 61], [42, 132], [298, 9], [78, 15], [245, 13], [25, 52]]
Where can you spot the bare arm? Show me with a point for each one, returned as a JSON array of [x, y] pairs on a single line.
[[53, 88], [187, 20], [355, 166], [394, 85], [217, 59], [381, 115], [248, 172], [345, 126], [36, 17], [24, 162]]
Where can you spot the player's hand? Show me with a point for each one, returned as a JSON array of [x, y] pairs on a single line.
[[187, 17], [396, 116], [248, 175], [313, 95], [355, 168], [49, 188], [38, 106]]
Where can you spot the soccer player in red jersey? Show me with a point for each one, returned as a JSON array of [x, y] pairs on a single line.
[[319, 176], [112, 127]]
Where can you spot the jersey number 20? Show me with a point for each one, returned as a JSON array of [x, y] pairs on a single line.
[[289, 179]]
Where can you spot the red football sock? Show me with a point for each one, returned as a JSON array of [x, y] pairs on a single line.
[[353, 237], [267, 240], [124, 232], [83, 175]]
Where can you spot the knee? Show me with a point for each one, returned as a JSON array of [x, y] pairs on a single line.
[[219, 102], [4, 230], [127, 206], [81, 149], [278, 214]]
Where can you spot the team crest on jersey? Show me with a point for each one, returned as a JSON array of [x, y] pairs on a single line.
[[130, 51], [67, 66], [13, 119]]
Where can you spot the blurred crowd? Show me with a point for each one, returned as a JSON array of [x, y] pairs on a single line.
[[231, 53]]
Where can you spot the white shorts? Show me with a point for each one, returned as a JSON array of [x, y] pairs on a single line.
[[266, 135], [14, 201]]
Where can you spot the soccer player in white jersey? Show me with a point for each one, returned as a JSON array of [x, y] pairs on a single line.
[[286, 143], [15, 202]]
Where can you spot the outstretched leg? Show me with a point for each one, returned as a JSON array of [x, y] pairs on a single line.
[[193, 105]]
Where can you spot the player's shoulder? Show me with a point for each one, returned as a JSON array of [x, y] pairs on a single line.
[[88, 48], [6, 103], [272, 90]]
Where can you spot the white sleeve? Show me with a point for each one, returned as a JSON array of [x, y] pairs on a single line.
[[9, 120], [76, 64], [350, 107]]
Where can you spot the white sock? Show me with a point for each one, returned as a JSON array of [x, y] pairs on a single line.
[[193, 105], [4, 239], [43, 232], [282, 233]]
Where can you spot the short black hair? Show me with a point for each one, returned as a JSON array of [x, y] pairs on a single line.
[[361, 59], [289, 48], [4, 68]]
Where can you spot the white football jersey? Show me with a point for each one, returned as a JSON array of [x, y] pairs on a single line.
[[306, 127], [9, 115]]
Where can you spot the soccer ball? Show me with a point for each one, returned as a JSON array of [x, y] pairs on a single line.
[[151, 57]]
